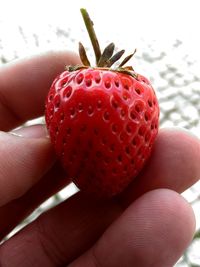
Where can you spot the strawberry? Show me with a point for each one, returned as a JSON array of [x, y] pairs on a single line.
[[102, 120]]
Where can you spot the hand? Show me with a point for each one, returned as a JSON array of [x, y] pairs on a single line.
[[148, 225]]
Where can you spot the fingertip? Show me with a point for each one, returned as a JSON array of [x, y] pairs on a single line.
[[24, 84], [176, 156], [173, 164], [23, 161], [32, 131], [153, 231], [180, 131]]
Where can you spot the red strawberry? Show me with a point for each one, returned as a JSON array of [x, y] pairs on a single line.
[[102, 121]]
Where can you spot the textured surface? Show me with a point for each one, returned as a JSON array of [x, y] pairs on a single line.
[[103, 125]]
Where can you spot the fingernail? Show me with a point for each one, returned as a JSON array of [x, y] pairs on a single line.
[[33, 131]]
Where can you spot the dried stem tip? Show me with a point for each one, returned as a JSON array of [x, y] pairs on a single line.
[[106, 55], [83, 55]]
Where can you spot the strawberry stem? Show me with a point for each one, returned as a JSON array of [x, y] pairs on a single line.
[[103, 60], [90, 29]]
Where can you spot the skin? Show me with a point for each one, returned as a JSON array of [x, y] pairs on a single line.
[[150, 224]]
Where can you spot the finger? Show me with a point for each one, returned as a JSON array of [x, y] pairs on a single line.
[[23, 161], [24, 85], [153, 231], [62, 233], [174, 164], [79, 202], [52, 182]]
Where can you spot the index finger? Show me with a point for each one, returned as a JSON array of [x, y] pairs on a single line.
[[24, 85]]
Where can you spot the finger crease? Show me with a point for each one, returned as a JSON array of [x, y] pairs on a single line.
[[44, 239], [95, 258]]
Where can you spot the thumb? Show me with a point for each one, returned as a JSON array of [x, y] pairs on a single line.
[[25, 156]]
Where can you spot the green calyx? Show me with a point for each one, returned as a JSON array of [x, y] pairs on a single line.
[[105, 59]]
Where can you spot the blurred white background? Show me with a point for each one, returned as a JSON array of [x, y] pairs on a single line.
[[126, 22]]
